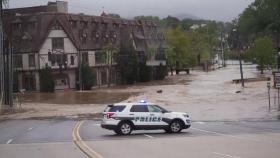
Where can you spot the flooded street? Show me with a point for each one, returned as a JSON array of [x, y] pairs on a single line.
[[207, 96], [212, 96]]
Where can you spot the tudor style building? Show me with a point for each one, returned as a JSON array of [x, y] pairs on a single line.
[[50, 36]]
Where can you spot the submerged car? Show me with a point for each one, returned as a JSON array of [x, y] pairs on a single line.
[[123, 118]]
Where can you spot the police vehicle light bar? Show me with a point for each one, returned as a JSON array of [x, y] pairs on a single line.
[[142, 101]]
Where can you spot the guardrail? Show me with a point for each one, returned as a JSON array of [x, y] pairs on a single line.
[[252, 79]]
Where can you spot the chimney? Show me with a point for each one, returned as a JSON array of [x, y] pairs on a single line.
[[58, 6]]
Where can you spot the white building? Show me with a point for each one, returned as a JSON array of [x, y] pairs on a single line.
[[50, 36]]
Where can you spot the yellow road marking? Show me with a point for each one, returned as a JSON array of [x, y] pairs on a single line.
[[81, 144]]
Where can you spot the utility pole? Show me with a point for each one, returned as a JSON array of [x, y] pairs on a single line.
[[80, 71], [222, 48], [109, 58], [241, 70], [239, 56], [6, 68], [240, 61], [1, 57]]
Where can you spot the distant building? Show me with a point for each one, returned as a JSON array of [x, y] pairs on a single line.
[[50, 36]]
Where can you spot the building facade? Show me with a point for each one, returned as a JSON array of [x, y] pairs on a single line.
[[50, 36]]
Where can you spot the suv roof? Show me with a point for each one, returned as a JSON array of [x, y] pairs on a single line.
[[134, 103]]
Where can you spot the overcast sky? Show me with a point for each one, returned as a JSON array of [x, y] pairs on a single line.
[[221, 10]]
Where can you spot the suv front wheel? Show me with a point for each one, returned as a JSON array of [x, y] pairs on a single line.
[[175, 126], [124, 128]]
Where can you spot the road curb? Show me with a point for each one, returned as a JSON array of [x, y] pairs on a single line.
[[81, 144]]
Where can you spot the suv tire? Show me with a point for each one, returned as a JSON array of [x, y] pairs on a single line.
[[175, 126], [124, 128]]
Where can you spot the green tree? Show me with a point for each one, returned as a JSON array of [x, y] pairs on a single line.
[[127, 62], [88, 77], [261, 17], [179, 53], [46, 80], [111, 51], [171, 22], [263, 53], [145, 72]]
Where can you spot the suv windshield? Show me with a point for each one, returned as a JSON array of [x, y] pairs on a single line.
[[161, 108]]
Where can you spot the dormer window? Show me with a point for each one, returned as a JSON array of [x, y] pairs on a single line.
[[73, 23], [56, 26], [106, 37], [114, 36], [84, 24], [104, 26], [97, 35], [32, 23], [84, 38], [115, 25]]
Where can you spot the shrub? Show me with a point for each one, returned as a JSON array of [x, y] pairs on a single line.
[[46, 80]]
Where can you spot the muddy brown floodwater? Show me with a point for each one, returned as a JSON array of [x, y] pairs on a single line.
[[98, 96], [76, 97]]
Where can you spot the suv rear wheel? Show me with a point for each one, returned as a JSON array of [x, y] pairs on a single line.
[[124, 128]]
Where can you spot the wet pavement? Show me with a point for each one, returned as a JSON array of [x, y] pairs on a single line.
[[53, 138]]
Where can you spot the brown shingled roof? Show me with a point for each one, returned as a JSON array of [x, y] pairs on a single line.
[[83, 37]]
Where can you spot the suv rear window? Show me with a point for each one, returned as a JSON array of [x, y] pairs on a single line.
[[118, 108]]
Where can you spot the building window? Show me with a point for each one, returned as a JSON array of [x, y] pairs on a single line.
[[72, 60], [17, 26], [31, 60], [103, 77], [59, 59], [18, 61], [100, 57], [84, 57], [57, 43]]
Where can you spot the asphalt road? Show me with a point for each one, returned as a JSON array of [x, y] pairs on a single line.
[[37, 138]]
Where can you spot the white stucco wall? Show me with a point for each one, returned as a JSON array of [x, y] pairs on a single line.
[[69, 49], [91, 58], [72, 79], [25, 64]]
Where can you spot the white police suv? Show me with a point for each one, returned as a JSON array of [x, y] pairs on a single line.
[[125, 117]]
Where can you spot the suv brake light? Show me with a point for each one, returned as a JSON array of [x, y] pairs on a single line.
[[109, 115]]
